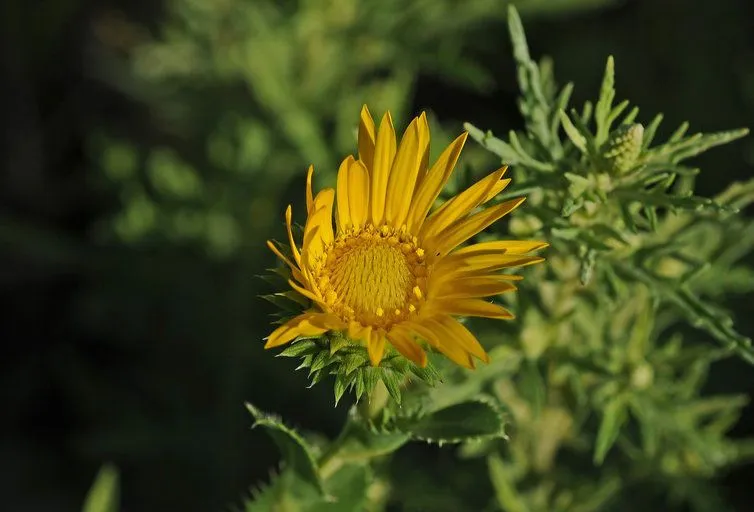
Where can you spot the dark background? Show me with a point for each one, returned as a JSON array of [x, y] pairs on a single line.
[[143, 355]]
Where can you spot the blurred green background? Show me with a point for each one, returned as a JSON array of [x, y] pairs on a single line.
[[149, 149]]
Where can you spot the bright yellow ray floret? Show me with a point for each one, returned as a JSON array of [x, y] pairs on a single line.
[[390, 271]]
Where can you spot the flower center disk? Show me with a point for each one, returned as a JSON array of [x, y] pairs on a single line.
[[373, 277]]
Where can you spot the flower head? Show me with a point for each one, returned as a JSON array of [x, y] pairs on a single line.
[[391, 272]]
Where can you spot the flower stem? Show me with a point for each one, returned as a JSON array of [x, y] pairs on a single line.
[[376, 401], [367, 410]]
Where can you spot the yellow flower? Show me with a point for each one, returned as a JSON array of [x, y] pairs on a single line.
[[389, 272]]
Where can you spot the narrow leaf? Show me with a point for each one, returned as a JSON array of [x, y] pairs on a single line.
[[295, 451], [103, 496], [613, 417]]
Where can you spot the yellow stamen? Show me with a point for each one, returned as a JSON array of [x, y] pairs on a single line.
[[371, 276]]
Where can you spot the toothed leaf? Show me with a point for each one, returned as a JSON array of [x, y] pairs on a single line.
[[296, 452]]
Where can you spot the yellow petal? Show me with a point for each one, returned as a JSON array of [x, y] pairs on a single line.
[[384, 153], [305, 324], [481, 262], [404, 343], [358, 332], [343, 204], [366, 138], [358, 193], [403, 175], [318, 230], [500, 246], [295, 272], [424, 142], [461, 204], [291, 241], [431, 184], [309, 195], [499, 187], [376, 347], [459, 232], [468, 307], [471, 286], [455, 330], [312, 295], [451, 350]]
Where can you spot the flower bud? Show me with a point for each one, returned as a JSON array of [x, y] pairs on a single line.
[[622, 149]]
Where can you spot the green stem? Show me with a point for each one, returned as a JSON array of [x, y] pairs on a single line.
[[367, 410], [375, 402]]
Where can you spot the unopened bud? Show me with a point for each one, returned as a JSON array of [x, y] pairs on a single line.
[[623, 147]]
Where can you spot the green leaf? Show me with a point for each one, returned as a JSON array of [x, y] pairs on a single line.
[[342, 381], [300, 347], [699, 314], [346, 489], [464, 421], [392, 381], [505, 489], [678, 150], [613, 417], [604, 104], [532, 385], [587, 266], [650, 131], [573, 133], [534, 103], [693, 203], [360, 443], [578, 184], [494, 145], [103, 496], [296, 452]]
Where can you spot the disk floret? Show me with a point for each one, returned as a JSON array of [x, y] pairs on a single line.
[[373, 276]]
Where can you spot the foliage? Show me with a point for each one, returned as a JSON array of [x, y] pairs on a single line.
[[286, 80], [601, 391]]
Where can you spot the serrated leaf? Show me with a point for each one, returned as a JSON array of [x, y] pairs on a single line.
[[306, 361], [346, 489], [321, 359], [282, 302], [371, 377], [361, 443], [428, 374], [300, 347], [392, 381], [613, 416], [342, 382], [360, 385], [351, 362], [460, 422], [104, 494], [295, 451]]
